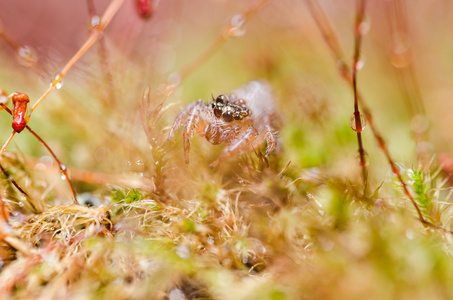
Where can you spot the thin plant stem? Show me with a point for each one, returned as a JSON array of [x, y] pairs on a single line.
[[13, 181], [110, 12], [227, 32], [61, 166], [357, 117], [103, 55], [2, 150], [345, 72]]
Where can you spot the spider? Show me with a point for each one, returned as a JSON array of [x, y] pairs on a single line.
[[242, 120]]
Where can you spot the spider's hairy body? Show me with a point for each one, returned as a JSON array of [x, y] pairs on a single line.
[[242, 120]]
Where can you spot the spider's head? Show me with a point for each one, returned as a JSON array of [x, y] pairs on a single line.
[[227, 110]]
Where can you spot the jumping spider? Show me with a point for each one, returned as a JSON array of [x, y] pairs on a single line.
[[242, 120]]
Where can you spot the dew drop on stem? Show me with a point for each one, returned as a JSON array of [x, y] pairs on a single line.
[[4, 99], [57, 82], [237, 25], [359, 64], [396, 168], [95, 21], [363, 27], [359, 161], [353, 123]]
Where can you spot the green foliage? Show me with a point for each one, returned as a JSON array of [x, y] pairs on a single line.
[[126, 195], [421, 186]]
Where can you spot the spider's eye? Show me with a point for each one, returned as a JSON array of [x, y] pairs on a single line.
[[217, 111], [228, 116], [238, 116], [221, 99]]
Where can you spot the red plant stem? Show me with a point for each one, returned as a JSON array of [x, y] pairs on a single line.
[[345, 72], [10, 42], [224, 36], [62, 168], [109, 13], [358, 122]]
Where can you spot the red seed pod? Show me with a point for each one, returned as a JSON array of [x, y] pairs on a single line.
[[145, 8], [20, 102]]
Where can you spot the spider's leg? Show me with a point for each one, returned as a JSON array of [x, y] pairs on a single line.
[[190, 115], [237, 145], [271, 139], [179, 120], [199, 110]]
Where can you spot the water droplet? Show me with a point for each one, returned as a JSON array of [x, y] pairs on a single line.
[[326, 243], [344, 69], [174, 79], [396, 168], [129, 163], [237, 25], [364, 26], [27, 56], [353, 123], [156, 163], [21, 204], [139, 162], [365, 158], [95, 21], [17, 217], [176, 294], [4, 99], [210, 240], [410, 234], [359, 64], [183, 251], [63, 167], [419, 123], [57, 82], [46, 159], [63, 177]]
